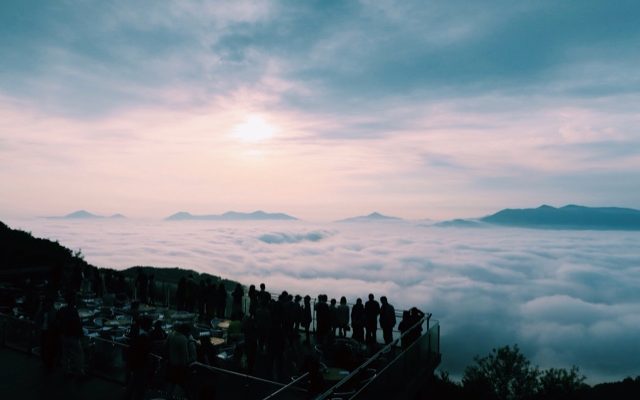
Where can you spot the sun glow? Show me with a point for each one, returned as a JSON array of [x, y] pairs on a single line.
[[254, 129]]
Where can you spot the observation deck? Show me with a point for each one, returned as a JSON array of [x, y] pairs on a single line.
[[348, 369]]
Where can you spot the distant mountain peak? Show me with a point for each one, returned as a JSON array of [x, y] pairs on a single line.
[[81, 214], [231, 216], [374, 216], [84, 214], [570, 216]]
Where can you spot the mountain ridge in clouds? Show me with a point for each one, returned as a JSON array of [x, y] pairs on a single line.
[[231, 216], [374, 216], [461, 223], [83, 214], [568, 217]]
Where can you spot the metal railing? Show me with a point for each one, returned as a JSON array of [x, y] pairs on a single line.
[[389, 373]]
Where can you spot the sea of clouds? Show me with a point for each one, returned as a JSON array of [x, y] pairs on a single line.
[[565, 297]]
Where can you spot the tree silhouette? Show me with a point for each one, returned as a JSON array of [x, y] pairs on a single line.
[[505, 374]]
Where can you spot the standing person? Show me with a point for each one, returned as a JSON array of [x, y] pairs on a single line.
[[210, 298], [306, 317], [387, 320], [264, 295], [236, 305], [202, 300], [415, 315], [221, 300], [323, 319], [357, 321], [343, 317], [403, 326], [181, 353], [138, 360], [275, 347], [46, 321], [297, 310], [333, 317], [71, 330], [253, 300], [250, 331], [371, 312], [263, 323]]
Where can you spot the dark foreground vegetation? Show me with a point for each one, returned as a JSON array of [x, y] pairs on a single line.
[[504, 374]]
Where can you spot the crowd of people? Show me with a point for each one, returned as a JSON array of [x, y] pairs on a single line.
[[261, 325]]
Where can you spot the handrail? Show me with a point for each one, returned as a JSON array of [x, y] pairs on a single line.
[[371, 359], [234, 373], [287, 386]]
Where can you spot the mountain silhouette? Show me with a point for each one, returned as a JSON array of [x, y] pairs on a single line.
[[83, 214], [374, 216], [231, 216], [461, 223], [568, 217]]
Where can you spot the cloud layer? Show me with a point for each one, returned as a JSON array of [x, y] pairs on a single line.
[[566, 297]]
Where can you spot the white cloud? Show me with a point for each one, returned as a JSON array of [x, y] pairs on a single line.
[[566, 297]]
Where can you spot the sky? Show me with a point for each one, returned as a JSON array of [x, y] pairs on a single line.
[[320, 109]]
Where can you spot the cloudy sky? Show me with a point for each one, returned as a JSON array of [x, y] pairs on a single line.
[[324, 109]]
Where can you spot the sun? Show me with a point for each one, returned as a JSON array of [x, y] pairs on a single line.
[[253, 129]]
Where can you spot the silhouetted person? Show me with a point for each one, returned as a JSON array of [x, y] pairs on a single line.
[[312, 365], [371, 312], [323, 319], [211, 294], [49, 334], [276, 342], [264, 295], [206, 352], [297, 311], [306, 317], [221, 300], [157, 333], [343, 317], [289, 314], [138, 361], [415, 330], [263, 323], [250, 331], [403, 326], [358, 321], [253, 300], [71, 330], [333, 316], [181, 352], [387, 320], [236, 305]]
